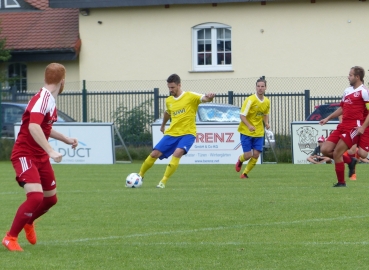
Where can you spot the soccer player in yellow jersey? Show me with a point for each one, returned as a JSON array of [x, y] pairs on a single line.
[[181, 108], [254, 111]]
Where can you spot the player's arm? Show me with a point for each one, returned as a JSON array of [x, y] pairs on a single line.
[[39, 137], [266, 121], [61, 137], [166, 118], [208, 97], [247, 123], [244, 111], [333, 115]]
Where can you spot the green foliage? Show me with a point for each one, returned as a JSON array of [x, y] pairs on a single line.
[[134, 124], [4, 53], [136, 153], [6, 147], [283, 150], [283, 217]]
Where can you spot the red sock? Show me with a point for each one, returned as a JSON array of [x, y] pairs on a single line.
[[340, 172], [346, 159], [46, 204], [25, 211]]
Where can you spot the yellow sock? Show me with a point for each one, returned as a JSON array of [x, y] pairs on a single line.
[[147, 165], [250, 165], [171, 168], [242, 158]]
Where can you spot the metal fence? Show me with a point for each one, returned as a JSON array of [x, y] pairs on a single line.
[[102, 106]]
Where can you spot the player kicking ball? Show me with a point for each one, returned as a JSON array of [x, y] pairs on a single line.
[[181, 108]]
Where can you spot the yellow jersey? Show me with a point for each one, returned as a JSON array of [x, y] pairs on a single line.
[[254, 110], [182, 111]]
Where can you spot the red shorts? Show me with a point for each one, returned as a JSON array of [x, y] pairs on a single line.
[[346, 133], [364, 140], [35, 172]]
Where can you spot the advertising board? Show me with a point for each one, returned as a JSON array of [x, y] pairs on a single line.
[[95, 142], [215, 144], [305, 136]]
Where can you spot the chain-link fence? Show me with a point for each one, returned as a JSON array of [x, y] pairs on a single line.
[[292, 99]]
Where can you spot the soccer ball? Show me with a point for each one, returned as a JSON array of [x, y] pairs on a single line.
[[134, 180]]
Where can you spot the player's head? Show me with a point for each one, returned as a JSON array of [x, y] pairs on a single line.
[[261, 86], [174, 78], [174, 85], [356, 75], [261, 80], [55, 74]]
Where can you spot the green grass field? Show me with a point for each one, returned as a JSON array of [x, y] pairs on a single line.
[[284, 217]]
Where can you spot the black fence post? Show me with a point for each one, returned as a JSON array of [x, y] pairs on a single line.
[[84, 102], [230, 97], [13, 90], [307, 103], [156, 103]]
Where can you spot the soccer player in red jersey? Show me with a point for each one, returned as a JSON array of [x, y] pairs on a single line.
[[355, 119], [31, 154]]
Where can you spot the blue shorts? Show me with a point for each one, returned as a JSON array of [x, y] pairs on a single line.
[[249, 143], [168, 144]]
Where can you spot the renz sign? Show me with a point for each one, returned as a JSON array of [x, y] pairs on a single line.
[[215, 144], [214, 137]]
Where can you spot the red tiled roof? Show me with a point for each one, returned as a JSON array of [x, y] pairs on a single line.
[[39, 4], [44, 29]]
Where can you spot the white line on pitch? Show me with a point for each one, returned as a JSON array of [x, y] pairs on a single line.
[[206, 229]]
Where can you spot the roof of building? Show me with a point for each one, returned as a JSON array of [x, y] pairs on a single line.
[[136, 3], [41, 29]]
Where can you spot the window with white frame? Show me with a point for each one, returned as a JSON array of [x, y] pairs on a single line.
[[212, 47]]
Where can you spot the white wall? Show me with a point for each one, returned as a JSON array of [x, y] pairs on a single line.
[[36, 71], [299, 40]]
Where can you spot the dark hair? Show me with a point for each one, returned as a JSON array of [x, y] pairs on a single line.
[[359, 71], [174, 78], [262, 79]]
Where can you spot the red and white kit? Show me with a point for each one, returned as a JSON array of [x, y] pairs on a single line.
[[354, 110], [28, 157]]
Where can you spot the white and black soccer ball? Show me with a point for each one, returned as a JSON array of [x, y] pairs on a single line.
[[134, 180]]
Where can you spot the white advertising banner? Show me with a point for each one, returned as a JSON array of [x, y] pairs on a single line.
[[305, 138], [95, 142], [214, 144]]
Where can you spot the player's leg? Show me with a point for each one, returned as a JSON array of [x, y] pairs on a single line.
[[257, 146], [27, 177], [149, 162], [340, 148], [246, 143], [351, 153], [183, 145], [156, 153], [48, 182]]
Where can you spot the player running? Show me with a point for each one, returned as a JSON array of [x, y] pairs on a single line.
[[255, 110]]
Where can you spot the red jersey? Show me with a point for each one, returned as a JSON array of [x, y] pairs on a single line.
[[353, 104], [41, 110]]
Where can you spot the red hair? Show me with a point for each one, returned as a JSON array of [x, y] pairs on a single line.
[[54, 73]]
